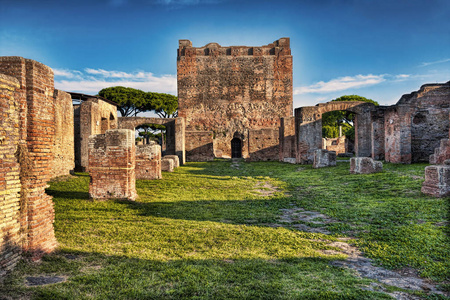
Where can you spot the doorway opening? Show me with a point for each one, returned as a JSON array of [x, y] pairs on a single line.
[[236, 148]]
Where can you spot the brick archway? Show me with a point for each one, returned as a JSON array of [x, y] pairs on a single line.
[[308, 127], [175, 132]]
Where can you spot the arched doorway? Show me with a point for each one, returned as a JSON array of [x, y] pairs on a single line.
[[236, 148]]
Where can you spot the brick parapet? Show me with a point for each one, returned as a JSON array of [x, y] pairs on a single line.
[[148, 161]]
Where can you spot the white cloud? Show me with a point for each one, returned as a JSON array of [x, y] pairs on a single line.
[[424, 64], [340, 84], [91, 81]]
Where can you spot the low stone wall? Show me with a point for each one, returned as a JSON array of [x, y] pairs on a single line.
[[175, 158], [365, 165], [148, 161], [112, 160], [167, 164]]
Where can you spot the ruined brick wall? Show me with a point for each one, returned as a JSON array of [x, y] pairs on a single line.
[[415, 126], [335, 144], [148, 161], [231, 90], [63, 152], [33, 151], [93, 116], [10, 210], [112, 160]]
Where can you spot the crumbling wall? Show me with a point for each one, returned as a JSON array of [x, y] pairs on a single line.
[[231, 90], [148, 161], [28, 130], [112, 161], [63, 149], [415, 126], [92, 116]]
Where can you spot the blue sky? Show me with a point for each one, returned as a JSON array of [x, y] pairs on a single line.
[[377, 49]]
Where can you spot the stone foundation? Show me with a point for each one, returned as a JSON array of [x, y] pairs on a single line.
[[148, 161], [324, 158], [365, 165], [112, 160]]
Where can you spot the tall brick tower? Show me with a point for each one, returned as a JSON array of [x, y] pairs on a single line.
[[232, 98]]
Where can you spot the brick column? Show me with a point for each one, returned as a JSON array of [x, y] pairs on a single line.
[[112, 160]]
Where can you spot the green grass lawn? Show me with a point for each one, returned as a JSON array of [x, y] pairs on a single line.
[[206, 231]]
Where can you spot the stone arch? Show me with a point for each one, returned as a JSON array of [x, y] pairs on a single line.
[[175, 132], [309, 127]]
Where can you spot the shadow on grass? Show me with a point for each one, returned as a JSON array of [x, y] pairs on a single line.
[[96, 276], [67, 194]]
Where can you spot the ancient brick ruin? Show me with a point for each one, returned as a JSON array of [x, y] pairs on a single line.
[[232, 99], [324, 158], [148, 161], [94, 115], [112, 161], [29, 110], [406, 132]]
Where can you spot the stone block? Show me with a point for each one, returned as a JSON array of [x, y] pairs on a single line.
[[437, 180], [365, 165], [167, 164], [324, 158], [176, 160]]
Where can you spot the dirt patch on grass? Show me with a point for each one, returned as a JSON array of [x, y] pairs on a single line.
[[265, 188], [405, 278]]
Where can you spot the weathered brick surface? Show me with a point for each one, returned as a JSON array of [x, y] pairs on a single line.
[[231, 90], [92, 116], [167, 164], [415, 126], [264, 144], [365, 165], [63, 149], [28, 122], [200, 146], [112, 160], [437, 180], [148, 161], [324, 158], [10, 210], [287, 150]]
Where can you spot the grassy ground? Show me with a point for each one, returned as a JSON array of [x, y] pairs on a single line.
[[204, 232]]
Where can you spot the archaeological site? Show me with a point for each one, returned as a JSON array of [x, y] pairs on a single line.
[[233, 102]]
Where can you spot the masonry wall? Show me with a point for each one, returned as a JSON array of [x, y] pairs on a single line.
[[93, 116], [200, 146], [148, 161], [63, 152], [415, 126], [33, 151], [335, 144], [232, 90], [263, 144], [112, 160], [10, 204], [287, 138]]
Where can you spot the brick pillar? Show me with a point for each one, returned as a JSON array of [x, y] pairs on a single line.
[[148, 161], [437, 180], [112, 160], [180, 140]]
